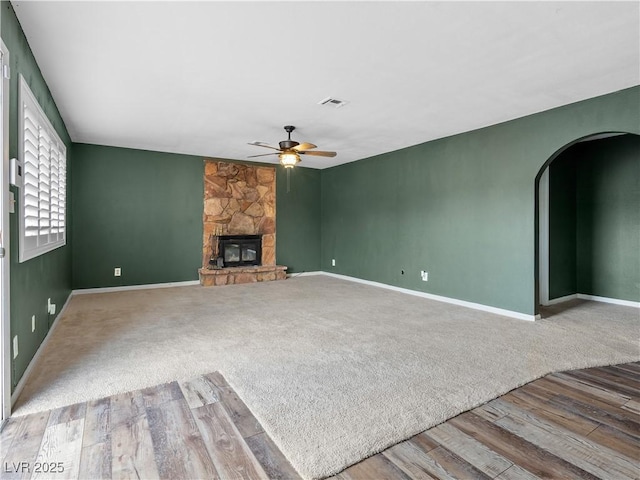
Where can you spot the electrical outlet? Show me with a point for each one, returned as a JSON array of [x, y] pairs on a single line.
[[15, 347], [33, 323], [51, 307], [117, 272], [333, 262], [424, 275]]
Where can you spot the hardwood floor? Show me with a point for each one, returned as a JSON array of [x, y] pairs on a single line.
[[578, 424], [189, 430]]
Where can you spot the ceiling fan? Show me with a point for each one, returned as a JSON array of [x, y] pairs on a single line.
[[290, 150]]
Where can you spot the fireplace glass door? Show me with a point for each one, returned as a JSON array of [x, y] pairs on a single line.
[[232, 253], [241, 250], [249, 253]]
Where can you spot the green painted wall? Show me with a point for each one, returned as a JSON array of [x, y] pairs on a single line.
[[298, 219], [562, 225], [608, 218], [142, 211], [462, 208], [49, 275], [594, 219], [137, 210]]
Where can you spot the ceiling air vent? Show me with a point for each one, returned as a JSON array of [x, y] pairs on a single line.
[[332, 102]]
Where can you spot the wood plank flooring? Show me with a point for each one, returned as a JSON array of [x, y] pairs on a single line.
[[578, 424], [188, 430]]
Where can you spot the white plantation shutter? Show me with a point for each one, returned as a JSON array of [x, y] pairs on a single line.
[[43, 199], [30, 191]]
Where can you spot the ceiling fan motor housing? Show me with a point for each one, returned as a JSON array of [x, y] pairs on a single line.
[[288, 144]]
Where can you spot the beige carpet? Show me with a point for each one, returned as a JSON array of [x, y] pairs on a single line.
[[335, 371]]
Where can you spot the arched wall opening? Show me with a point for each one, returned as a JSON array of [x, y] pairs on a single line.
[[588, 221]]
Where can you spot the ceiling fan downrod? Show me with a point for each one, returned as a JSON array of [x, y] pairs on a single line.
[[288, 144]]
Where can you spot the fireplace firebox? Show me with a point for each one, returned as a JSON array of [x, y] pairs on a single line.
[[241, 250]]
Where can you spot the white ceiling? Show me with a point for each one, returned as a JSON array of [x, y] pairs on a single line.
[[205, 78]]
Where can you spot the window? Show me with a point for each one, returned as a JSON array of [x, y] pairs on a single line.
[[43, 197]]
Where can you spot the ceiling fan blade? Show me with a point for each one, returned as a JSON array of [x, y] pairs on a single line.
[[262, 155], [262, 144], [304, 146], [319, 154]]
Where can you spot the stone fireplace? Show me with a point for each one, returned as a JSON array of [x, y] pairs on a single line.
[[239, 213]]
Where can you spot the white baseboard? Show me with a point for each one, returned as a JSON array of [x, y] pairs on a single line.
[[23, 380], [304, 274], [615, 301], [438, 298], [83, 291], [593, 298], [566, 298]]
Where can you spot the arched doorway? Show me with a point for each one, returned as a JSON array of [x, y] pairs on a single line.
[[583, 247]]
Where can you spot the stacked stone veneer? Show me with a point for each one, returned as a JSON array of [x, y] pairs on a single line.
[[239, 200], [232, 275]]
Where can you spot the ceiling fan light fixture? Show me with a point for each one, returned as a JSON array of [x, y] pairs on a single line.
[[290, 150], [289, 159]]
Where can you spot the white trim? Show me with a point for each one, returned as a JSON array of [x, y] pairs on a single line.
[[27, 100], [615, 301], [593, 298], [23, 380], [83, 291], [5, 326], [304, 274], [543, 238], [566, 298], [438, 298]]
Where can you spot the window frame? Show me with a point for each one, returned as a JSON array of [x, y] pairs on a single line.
[[27, 100]]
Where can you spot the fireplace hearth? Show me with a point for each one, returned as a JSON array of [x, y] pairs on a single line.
[[240, 250]]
